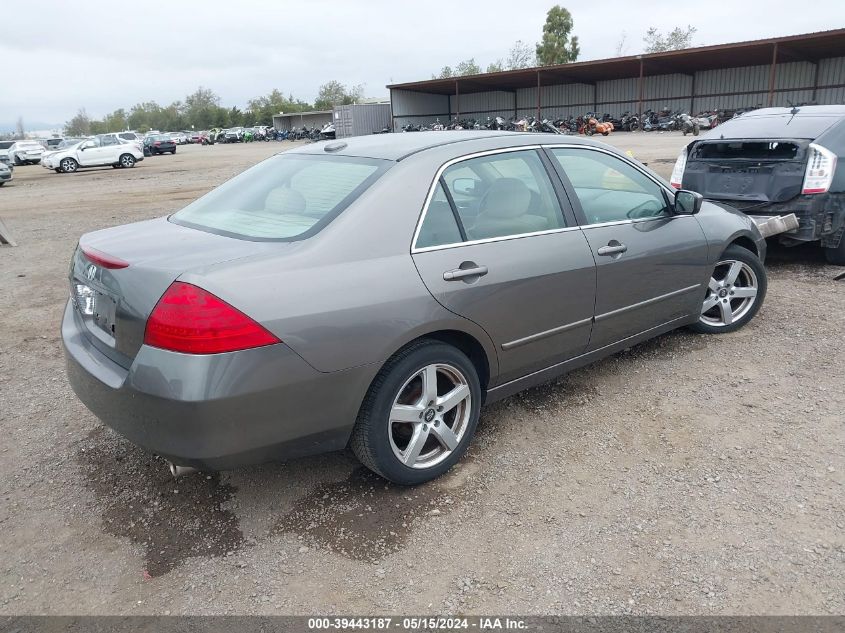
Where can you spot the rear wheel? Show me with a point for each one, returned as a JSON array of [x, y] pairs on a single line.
[[174, 151], [127, 160], [836, 255], [734, 294], [69, 165], [419, 414]]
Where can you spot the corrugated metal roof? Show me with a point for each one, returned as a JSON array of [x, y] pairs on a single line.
[[806, 47]]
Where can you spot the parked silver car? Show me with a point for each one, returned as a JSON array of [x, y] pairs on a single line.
[[6, 173], [375, 292]]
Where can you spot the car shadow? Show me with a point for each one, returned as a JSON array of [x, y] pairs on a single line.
[[327, 501]]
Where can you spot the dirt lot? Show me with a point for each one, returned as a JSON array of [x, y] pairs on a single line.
[[687, 475]]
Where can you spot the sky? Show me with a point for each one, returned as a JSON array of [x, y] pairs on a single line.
[[60, 56]]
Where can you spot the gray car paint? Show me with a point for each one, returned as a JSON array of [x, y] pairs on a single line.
[[348, 298]]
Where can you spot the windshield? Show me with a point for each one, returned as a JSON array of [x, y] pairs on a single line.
[[283, 198], [6, 144]]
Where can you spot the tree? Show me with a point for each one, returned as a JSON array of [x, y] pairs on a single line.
[[335, 93], [467, 67], [201, 108], [496, 66], [674, 40], [557, 47], [445, 73], [80, 125], [521, 55], [622, 45]]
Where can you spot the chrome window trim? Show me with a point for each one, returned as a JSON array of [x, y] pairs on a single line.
[[436, 181], [487, 240]]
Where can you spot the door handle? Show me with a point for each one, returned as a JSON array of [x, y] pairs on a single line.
[[614, 248], [462, 273]]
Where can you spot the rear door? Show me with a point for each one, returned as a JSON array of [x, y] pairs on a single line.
[[650, 263], [495, 246]]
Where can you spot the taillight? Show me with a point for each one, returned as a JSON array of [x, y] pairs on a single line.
[[157, 143], [191, 320], [102, 259], [821, 164], [678, 170]]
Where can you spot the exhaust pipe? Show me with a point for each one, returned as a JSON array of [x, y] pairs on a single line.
[[178, 471]]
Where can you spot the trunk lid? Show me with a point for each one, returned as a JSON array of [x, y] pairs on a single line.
[[751, 171], [114, 303]]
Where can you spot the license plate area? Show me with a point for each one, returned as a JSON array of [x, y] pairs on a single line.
[[98, 310]]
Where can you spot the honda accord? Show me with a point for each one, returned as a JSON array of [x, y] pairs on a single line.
[[375, 292]]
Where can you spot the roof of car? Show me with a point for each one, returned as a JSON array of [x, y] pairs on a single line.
[[801, 122], [403, 144]]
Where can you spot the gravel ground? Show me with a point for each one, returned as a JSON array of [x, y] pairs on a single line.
[[687, 475]]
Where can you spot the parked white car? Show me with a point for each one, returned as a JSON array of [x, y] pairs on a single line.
[[5, 173], [180, 138], [99, 151], [23, 152], [5, 146]]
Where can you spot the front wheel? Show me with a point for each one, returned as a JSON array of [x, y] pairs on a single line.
[[734, 293], [69, 165], [419, 414]]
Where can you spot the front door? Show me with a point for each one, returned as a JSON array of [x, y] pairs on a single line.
[[495, 247], [650, 263]]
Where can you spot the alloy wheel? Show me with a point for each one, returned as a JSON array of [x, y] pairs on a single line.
[[127, 161], [731, 293], [68, 165], [430, 416]]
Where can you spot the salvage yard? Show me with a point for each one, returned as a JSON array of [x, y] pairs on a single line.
[[687, 475]]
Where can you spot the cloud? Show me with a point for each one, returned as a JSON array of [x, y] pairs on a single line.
[[102, 56]]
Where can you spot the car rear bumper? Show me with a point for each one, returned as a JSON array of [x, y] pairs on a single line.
[[821, 217], [216, 411]]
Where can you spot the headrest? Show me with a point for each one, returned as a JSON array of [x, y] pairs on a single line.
[[506, 198], [284, 200]]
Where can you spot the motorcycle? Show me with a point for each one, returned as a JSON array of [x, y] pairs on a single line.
[[592, 125], [328, 131], [629, 122]]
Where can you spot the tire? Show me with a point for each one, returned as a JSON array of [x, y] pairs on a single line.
[[127, 160], [18, 160], [382, 443], [731, 303], [174, 151], [836, 256], [605, 133], [696, 129], [58, 170], [68, 165], [2, 183]]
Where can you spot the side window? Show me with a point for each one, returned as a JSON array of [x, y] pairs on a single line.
[[108, 140], [609, 189], [439, 226], [503, 194]]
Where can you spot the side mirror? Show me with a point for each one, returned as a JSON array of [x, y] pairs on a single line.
[[464, 186], [687, 202]]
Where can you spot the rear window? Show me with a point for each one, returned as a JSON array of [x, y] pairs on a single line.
[[286, 197], [754, 150], [809, 126]]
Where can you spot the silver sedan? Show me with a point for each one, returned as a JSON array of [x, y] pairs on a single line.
[[376, 292]]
